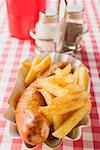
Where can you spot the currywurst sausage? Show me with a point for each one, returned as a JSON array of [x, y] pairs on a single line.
[[33, 126]]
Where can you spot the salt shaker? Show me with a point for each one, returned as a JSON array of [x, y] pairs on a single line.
[[47, 33]]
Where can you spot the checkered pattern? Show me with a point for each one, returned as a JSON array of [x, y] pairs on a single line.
[[13, 51]]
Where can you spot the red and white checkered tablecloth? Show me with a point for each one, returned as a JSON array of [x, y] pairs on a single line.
[[13, 51]]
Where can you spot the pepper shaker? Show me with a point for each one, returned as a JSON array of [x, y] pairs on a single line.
[[75, 28]]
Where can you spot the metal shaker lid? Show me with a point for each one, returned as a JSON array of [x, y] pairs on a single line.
[[47, 18], [75, 11]]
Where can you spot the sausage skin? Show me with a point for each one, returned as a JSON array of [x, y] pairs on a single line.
[[33, 126]]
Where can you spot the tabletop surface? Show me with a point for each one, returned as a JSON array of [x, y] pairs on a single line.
[[13, 51]]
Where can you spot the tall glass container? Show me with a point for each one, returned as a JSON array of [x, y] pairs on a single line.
[[22, 15]]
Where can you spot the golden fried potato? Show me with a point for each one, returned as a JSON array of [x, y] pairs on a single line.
[[74, 89], [63, 108], [76, 75], [32, 74], [61, 80], [47, 96], [52, 88], [43, 65], [67, 69], [63, 72], [58, 72], [69, 79], [26, 64], [36, 60], [55, 79], [83, 77], [36, 70], [62, 100], [57, 121], [72, 121]]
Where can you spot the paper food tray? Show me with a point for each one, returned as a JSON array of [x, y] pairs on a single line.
[[20, 87]]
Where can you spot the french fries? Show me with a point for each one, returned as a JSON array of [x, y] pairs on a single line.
[[47, 96], [83, 77], [61, 80], [76, 75], [37, 59], [54, 89], [26, 64], [72, 121], [62, 100], [55, 119], [63, 72], [49, 117], [68, 79], [65, 93], [37, 68], [31, 74], [63, 108], [58, 71], [43, 65], [74, 89]]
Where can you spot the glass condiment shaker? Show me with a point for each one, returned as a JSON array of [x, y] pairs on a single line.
[[75, 28], [47, 33]]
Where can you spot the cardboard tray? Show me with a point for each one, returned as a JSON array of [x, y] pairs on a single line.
[[18, 89]]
